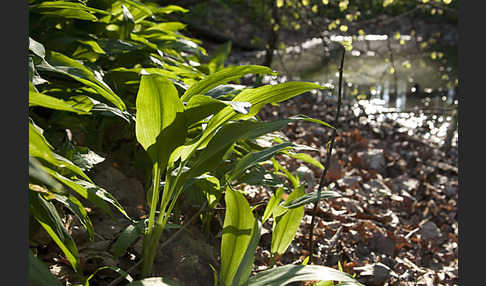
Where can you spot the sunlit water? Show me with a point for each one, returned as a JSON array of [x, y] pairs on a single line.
[[379, 91]]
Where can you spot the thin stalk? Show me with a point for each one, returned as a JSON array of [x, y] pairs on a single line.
[[153, 236], [153, 208], [326, 163]]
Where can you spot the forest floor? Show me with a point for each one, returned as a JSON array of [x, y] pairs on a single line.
[[395, 224]]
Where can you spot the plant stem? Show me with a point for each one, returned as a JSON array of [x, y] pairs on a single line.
[[151, 241], [151, 221], [328, 159]]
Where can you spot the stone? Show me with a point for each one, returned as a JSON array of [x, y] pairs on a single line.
[[429, 230], [374, 274], [371, 159]]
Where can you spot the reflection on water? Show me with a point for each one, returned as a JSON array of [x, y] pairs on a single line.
[[393, 81]]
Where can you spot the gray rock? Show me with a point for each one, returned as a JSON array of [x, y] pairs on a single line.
[[374, 274], [450, 190], [429, 230], [307, 175], [372, 159]]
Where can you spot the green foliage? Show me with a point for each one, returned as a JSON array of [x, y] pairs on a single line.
[[94, 63]]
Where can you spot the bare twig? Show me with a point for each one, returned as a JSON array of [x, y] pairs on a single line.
[[328, 159]]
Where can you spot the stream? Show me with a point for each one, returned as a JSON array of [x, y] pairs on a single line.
[[412, 90]]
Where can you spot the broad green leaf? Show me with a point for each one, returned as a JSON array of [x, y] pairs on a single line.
[[310, 198], [272, 204], [223, 76], [127, 24], [154, 281], [39, 274], [37, 48], [225, 90], [246, 264], [285, 226], [254, 158], [57, 62], [65, 10], [171, 9], [259, 176], [36, 171], [227, 136], [238, 230], [160, 125], [139, 10], [166, 27], [283, 275], [128, 237], [44, 100], [293, 179], [260, 96], [257, 97], [98, 196], [46, 214], [40, 148], [201, 188], [75, 206], [306, 158], [114, 268], [200, 107]]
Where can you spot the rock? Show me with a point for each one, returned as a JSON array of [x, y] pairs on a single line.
[[351, 182], [307, 175], [403, 185], [128, 192], [371, 159], [382, 244], [450, 190], [374, 274], [429, 230]]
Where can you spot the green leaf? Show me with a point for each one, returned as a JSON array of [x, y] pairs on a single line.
[[75, 206], [160, 125], [225, 90], [306, 158], [40, 148], [98, 196], [272, 203], [200, 107], [285, 226], [57, 62], [284, 275], [223, 76], [39, 274], [171, 9], [67, 9], [44, 100], [254, 158], [246, 264], [37, 48], [127, 25], [238, 231], [128, 237], [140, 11], [46, 214], [114, 268], [154, 281], [202, 188], [260, 96], [310, 198]]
